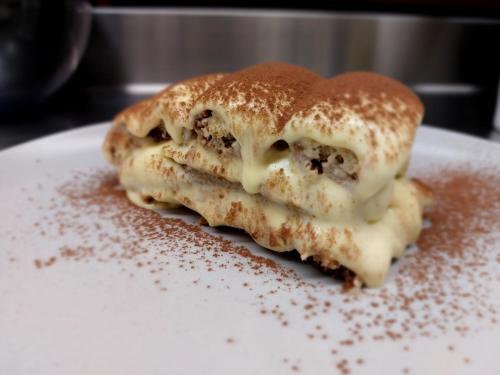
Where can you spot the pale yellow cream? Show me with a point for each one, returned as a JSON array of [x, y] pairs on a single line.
[[361, 235]]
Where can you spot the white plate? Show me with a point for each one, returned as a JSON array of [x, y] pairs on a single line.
[[99, 313]]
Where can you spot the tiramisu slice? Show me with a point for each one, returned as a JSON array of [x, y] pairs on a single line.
[[296, 160]]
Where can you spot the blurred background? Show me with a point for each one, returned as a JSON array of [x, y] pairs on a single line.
[[69, 63]]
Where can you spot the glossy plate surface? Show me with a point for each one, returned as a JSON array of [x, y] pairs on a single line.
[[92, 285]]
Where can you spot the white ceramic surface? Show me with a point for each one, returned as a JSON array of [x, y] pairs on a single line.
[[93, 317]]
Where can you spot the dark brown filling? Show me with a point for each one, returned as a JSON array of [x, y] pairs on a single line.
[[199, 125], [203, 131], [159, 134], [280, 145], [148, 199], [337, 163], [198, 122], [228, 141], [317, 165]]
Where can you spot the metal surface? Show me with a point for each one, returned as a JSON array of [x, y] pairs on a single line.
[[157, 45], [132, 52]]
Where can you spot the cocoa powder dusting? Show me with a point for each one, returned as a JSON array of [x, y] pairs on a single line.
[[274, 92], [349, 90], [271, 90], [438, 288]]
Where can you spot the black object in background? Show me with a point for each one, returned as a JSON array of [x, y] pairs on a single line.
[[41, 43]]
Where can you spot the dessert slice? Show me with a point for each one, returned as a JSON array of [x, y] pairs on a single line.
[[296, 160]]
